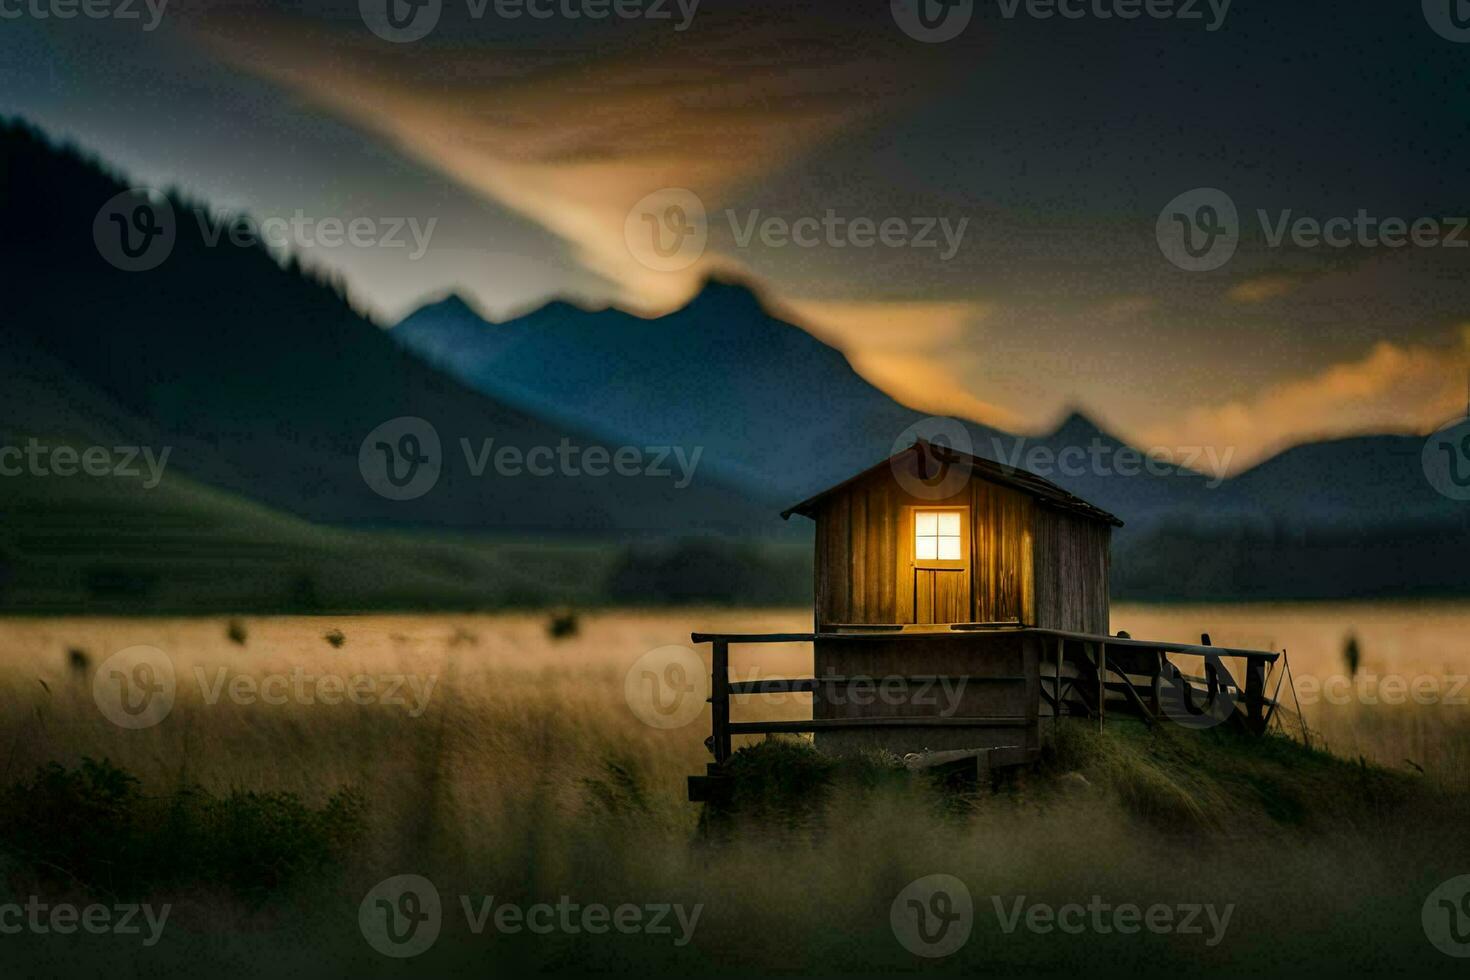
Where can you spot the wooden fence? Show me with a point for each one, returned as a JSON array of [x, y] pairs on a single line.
[[1077, 674]]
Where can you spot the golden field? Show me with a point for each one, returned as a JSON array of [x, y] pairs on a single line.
[[527, 776]]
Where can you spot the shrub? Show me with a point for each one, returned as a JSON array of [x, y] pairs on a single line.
[[94, 827]]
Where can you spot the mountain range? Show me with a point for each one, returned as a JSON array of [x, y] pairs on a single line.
[[267, 386], [783, 414]]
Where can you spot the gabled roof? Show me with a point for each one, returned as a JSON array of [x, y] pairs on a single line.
[[1048, 493]]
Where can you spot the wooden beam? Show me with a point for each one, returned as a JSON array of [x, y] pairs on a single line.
[[827, 724], [720, 701]]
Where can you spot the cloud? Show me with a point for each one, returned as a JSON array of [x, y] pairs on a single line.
[[1263, 288], [1393, 388], [915, 351], [573, 140]]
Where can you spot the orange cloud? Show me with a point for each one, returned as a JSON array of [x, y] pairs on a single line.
[[1262, 288], [1394, 388], [915, 351], [574, 141]]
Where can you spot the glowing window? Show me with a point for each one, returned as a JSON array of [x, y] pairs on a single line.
[[937, 535]]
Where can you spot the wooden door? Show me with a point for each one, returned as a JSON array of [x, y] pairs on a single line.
[[940, 545]]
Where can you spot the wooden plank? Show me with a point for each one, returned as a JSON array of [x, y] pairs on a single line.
[[962, 635], [830, 724], [807, 685], [720, 701]]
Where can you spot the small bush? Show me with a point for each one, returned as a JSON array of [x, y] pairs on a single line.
[[92, 826], [563, 625]]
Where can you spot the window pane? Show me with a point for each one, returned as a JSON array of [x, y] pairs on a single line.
[[926, 548], [949, 548], [949, 523], [925, 522]]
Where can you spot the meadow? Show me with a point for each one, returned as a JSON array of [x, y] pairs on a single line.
[[499, 761]]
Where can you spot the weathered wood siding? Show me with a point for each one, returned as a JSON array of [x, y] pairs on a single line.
[[1002, 555], [989, 676], [1071, 570], [863, 549]]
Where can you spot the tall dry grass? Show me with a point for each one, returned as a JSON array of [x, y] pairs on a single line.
[[528, 778]]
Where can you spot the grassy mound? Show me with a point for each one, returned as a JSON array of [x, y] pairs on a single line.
[[1168, 777]]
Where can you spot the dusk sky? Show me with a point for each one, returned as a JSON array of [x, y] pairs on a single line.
[[1047, 148]]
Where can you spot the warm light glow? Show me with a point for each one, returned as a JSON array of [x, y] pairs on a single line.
[[937, 535]]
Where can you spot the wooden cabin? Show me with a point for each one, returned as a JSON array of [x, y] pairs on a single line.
[[933, 538], [957, 604]]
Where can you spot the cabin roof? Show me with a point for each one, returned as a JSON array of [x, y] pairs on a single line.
[[1029, 483]]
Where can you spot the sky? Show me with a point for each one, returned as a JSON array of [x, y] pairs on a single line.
[[1176, 221]]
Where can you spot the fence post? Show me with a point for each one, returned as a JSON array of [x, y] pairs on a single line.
[[720, 700], [1255, 695]]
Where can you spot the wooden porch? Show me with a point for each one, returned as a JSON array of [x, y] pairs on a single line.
[[1003, 682]]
